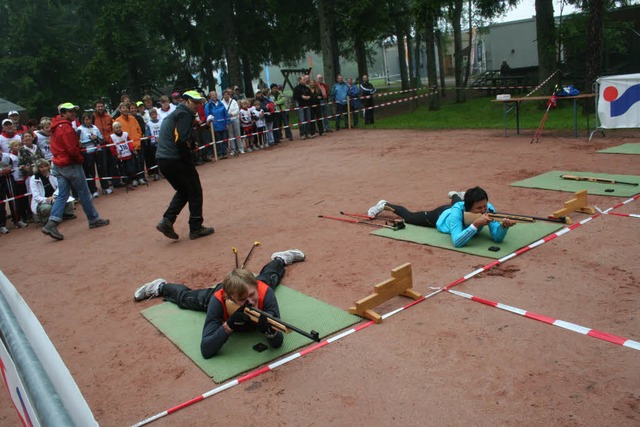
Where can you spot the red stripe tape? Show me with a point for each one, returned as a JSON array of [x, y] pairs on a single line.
[[539, 317], [187, 403], [607, 337], [484, 301]]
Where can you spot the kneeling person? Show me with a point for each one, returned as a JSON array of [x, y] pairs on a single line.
[[238, 287]]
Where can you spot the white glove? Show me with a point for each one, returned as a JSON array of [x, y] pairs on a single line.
[[210, 118]]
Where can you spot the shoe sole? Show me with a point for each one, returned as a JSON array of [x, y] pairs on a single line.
[[197, 236], [167, 233], [53, 235]]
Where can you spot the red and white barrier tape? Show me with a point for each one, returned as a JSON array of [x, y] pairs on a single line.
[[287, 359], [621, 214], [555, 322]]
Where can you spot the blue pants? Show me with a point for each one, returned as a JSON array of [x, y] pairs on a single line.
[[72, 177]]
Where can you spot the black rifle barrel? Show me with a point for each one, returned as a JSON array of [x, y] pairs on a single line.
[[313, 335]]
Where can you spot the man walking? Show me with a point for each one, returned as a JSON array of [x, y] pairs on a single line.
[[176, 164], [67, 168]]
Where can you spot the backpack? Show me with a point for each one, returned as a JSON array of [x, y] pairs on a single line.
[[567, 91]]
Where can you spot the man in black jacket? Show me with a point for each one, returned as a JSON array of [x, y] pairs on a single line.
[[176, 164]]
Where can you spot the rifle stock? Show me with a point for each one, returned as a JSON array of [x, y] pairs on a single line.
[[596, 179], [496, 216], [278, 324], [470, 217]]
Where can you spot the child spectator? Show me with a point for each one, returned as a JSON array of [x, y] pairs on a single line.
[[258, 118], [138, 149], [123, 150], [29, 153], [43, 137], [18, 189], [166, 108], [90, 138], [152, 132], [246, 122]]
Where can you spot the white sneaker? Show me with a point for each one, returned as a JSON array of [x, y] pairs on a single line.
[[290, 256], [142, 181], [134, 183], [4, 230], [241, 151], [107, 191], [374, 211], [21, 224], [149, 290], [459, 193], [96, 195]]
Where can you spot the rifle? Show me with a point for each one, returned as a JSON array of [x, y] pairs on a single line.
[[470, 217], [254, 314], [596, 179]]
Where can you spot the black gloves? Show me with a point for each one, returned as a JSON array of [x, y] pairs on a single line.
[[238, 320], [264, 326]]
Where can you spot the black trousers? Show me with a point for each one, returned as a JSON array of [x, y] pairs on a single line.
[[423, 218], [184, 178], [89, 166], [198, 299]]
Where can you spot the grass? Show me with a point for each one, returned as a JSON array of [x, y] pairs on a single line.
[[481, 113]]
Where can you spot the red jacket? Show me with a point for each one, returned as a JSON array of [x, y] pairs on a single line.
[[65, 143]]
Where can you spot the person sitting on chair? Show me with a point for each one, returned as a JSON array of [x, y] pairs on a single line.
[[449, 219]]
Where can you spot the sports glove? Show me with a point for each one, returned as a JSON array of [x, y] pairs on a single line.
[[264, 326], [209, 118], [238, 320]]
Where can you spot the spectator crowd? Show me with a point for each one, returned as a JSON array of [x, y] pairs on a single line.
[[119, 148]]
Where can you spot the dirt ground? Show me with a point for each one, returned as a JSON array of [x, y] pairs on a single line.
[[444, 361]]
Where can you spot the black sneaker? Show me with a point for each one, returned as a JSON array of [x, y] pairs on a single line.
[[201, 232], [99, 223], [166, 228], [51, 229]]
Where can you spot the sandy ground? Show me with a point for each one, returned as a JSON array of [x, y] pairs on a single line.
[[444, 361]]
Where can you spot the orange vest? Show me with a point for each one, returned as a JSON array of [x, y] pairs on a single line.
[[220, 296]]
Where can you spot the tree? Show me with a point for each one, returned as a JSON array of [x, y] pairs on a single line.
[[546, 35]]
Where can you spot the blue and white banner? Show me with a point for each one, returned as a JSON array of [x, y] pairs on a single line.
[[619, 101]]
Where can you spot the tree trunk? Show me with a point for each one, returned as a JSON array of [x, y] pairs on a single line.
[[417, 58], [546, 33], [467, 69], [456, 17], [327, 25], [595, 44], [402, 57], [361, 57], [432, 74], [231, 43], [441, 62], [246, 71]]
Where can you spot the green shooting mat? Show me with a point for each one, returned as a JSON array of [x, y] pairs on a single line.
[[628, 148], [519, 235], [184, 329], [552, 181]]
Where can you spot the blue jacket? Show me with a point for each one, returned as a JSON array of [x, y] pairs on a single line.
[[339, 92], [451, 221], [219, 113], [353, 93]]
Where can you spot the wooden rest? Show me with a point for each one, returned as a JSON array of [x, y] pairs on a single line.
[[400, 283], [577, 204]]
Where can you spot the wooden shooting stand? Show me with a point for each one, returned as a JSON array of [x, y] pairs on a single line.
[[577, 204], [286, 72], [400, 283]]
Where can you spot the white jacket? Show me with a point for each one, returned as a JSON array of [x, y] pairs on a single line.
[[37, 191]]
